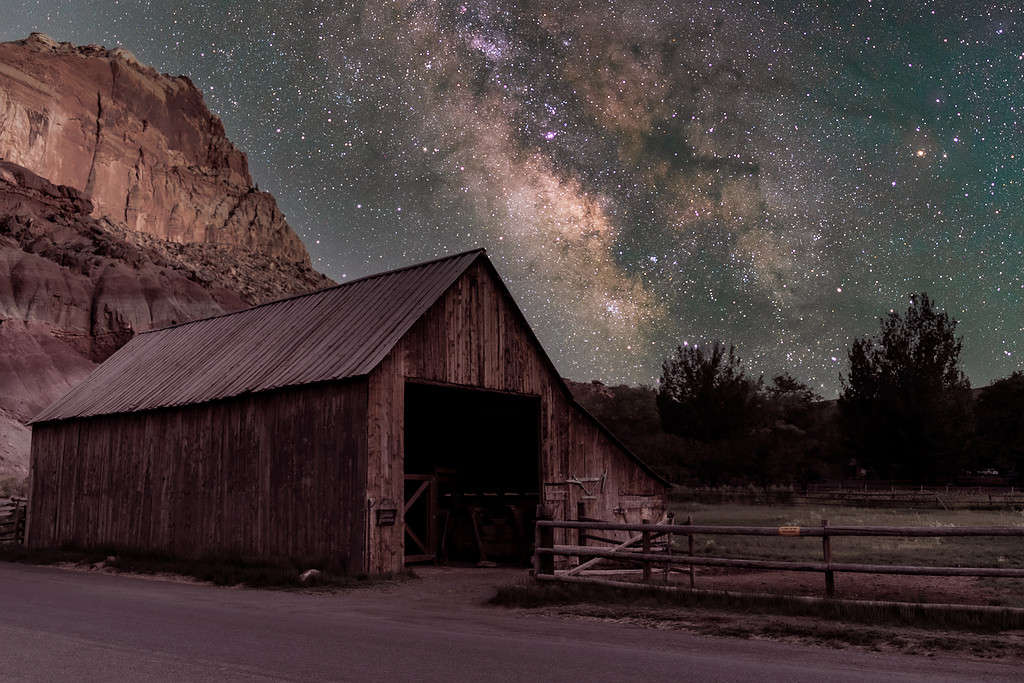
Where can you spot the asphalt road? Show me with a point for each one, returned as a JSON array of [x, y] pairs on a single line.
[[65, 625]]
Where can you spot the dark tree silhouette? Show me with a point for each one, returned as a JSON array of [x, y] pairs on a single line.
[[999, 428], [706, 395], [783, 450], [905, 402], [789, 400]]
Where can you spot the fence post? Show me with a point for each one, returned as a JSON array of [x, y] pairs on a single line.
[[689, 521], [668, 547], [646, 549], [544, 537], [581, 534], [826, 547], [19, 528]]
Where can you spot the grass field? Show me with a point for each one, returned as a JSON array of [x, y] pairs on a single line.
[[978, 551], [945, 551]]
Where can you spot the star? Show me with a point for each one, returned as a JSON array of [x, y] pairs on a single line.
[[646, 172]]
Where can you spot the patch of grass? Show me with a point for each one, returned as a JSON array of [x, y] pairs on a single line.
[[537, 595], [215, 570]]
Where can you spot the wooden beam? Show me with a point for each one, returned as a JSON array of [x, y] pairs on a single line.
[[622, 546], [416, 539], [589, 551], [419, 558], [419, 492], [907, 531]]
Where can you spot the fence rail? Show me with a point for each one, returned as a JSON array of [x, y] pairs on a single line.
[[668, 560], [12, 521]]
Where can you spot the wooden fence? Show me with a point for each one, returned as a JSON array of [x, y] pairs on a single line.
[[12, 521], [640, 551]]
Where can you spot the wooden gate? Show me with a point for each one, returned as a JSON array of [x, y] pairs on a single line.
[[420, 514]]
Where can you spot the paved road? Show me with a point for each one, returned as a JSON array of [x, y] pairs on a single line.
[[66, 625]]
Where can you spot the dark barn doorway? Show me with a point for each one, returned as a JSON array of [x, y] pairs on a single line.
[[472, 472]]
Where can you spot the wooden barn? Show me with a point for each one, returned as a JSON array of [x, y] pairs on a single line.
[[404, 416]]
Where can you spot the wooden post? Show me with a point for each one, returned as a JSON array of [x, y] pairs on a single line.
[[432, 519], [544, 537], [668, 549], [646, 545], [826, 547], [536, 544], [22, 513], [581, 534], [689, 520]]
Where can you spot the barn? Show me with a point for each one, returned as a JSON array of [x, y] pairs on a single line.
[[406, 416]]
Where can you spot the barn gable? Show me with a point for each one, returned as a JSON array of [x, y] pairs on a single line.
[[475, 336]]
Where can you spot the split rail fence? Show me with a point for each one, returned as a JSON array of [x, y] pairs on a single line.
[[640, 550], [12, 521]]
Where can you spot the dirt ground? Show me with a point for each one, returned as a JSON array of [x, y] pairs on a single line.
[[55, 623], [1007, 646], [453, 587], [467, 585]]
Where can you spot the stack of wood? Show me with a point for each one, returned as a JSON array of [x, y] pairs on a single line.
[[12, 521]]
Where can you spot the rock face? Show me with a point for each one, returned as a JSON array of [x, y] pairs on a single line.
[[140, 145], [122, 208]]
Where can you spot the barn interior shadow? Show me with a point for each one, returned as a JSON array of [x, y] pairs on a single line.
[[472, 464]]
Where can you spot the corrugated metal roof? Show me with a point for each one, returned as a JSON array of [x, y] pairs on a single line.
[[331, 334]]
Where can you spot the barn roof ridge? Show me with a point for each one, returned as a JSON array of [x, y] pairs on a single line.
[[291, 297]]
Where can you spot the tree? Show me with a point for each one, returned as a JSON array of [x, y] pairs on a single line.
[[790, 400], [706, 395], [999, 429], [905, 401], [787, 451]]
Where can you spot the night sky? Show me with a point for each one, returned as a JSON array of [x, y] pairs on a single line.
[[773, 174]]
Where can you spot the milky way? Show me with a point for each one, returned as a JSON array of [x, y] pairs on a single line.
[[776, 175]]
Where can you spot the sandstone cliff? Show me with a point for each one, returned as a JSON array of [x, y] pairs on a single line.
[[123, 207], [142, 146]]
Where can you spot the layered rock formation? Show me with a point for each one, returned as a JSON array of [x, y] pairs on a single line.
[[149, 221], [142, 146]]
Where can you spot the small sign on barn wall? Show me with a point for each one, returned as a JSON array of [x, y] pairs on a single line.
[[387, 513]]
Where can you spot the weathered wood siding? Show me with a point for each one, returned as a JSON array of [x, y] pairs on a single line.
[[271, 476], [474, 336]]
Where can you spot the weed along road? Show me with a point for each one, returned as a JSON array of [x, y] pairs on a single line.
[[69, 625]]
